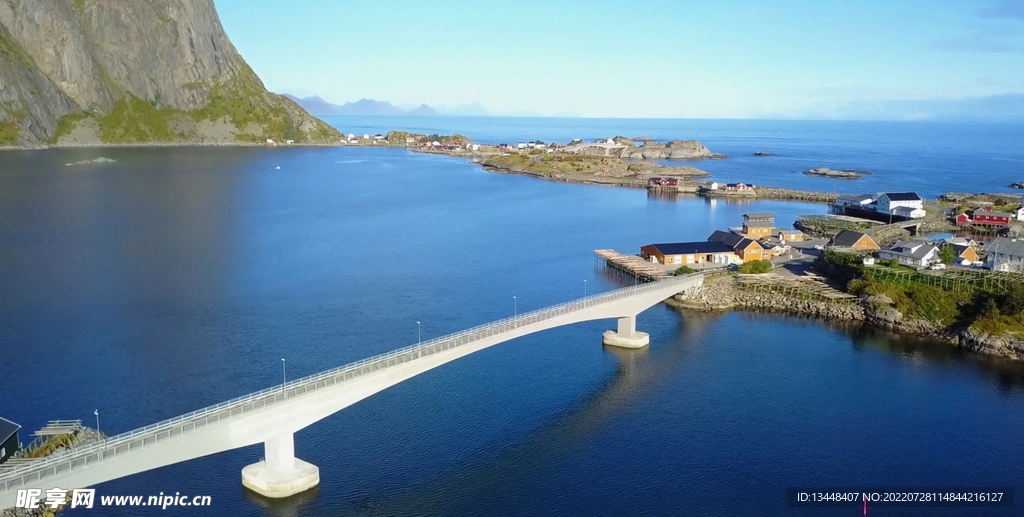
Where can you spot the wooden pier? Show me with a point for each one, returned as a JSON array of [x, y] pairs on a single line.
[[633, 265]]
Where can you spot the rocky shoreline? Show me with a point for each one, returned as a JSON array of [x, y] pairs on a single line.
[[721, 295]]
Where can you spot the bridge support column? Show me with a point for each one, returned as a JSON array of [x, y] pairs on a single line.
[[280, 474], [627, 336]]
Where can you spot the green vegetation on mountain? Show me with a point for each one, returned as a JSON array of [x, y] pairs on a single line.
[[134, 83]]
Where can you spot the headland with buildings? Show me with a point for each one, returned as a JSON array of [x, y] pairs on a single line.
[[869, 259]]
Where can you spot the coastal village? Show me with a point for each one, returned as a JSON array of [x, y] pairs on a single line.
[[946, 268]]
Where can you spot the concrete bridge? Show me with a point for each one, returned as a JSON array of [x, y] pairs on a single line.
[[892, 230], [272, 416]]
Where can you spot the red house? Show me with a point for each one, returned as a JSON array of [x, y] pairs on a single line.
[[738, 186], [992, 218], [963, 219], [663, 182]]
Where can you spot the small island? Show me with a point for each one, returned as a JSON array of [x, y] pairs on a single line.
[[826, 172], [764, 154], [1019, 184]]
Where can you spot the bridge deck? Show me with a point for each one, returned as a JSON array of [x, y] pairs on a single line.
[[133, 441]]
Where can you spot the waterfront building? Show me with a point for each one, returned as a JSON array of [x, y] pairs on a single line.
[[889, 201], [1019, 213], [738, 186], [1005, 254], [8, 439], [689, 253], [758, 225], [854, 240], [745, 248], [991, 218], [790, 235], [854, 201], [909, 212], [912, 253]]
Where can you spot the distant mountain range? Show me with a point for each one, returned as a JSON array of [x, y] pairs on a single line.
[[317, 106], [369, 107]]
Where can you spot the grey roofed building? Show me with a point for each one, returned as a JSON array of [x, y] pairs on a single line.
[[847, 238], [736, 242], [790, 232], [729, 238], [758, 215], [855, 199], [690, 248], [759, 224], [911, 253], [914, 249], [1006, 254], [902, 196], [8, 438]]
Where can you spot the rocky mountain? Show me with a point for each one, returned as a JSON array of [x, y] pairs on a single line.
[[86, 72], [362, 107]]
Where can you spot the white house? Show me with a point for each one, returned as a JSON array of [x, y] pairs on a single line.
[[889, 201], [351, 136], [270, 141], [909, 212], [366, 137], [1005, 254], [1019, 213], [475, 147], [610, 141], [713, 185], [912, 253]]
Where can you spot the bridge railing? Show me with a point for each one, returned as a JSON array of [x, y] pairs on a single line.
[[142, 437]]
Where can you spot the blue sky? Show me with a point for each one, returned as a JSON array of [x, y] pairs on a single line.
[[678, 58]]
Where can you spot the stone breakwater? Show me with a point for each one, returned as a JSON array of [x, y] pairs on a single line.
[[795, 195], [722, 294], [878, 311]]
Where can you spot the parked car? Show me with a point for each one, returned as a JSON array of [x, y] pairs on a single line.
[[733, 267], [819, 247], [936, 267]]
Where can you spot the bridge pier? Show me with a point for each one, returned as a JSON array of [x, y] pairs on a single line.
[[280, 474], [626, 336]]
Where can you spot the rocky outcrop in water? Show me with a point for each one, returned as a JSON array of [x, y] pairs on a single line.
[[87, 72], [1019, 184], [839, 174], [764, 154]]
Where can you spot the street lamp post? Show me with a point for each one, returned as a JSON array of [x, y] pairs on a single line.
[[584, 287], [515, 306], [284, 375], [419, 333], [97, 413]]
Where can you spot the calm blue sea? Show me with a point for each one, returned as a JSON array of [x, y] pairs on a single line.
[[176, 278], [927, 157]]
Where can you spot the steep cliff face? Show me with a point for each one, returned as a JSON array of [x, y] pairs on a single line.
[[133, 71]]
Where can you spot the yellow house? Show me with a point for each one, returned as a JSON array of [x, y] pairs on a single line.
[[689, 253], [758, 225], [745, 248], [855, 240], [791, 235], [965, 252]]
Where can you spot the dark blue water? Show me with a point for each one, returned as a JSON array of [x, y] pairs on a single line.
[[930, 158], [177, 278]]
